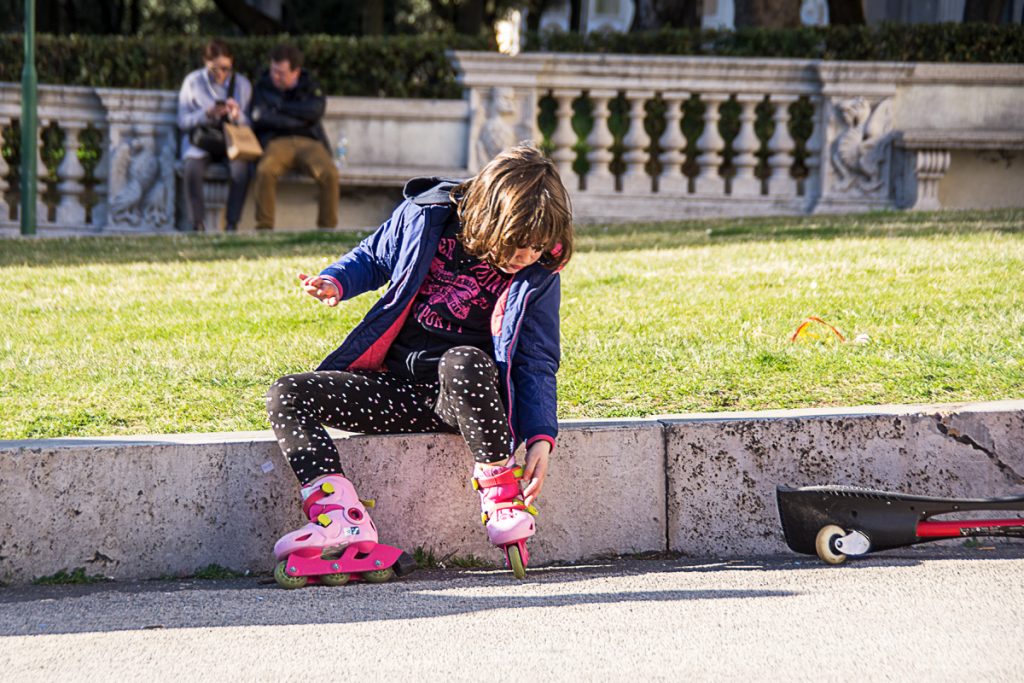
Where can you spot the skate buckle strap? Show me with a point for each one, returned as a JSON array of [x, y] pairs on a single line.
[[516, 504], [509, 476], [324, 490], [327, 488]]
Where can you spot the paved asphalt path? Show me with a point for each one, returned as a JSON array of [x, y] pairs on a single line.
[[910, 615]]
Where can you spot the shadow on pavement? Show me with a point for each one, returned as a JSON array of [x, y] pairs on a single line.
[[257, 601], [116, 606]]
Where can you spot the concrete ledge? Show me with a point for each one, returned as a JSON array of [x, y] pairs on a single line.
[[137, 507], [723, 469]]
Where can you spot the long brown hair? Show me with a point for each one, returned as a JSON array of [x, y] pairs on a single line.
[[516, 201]]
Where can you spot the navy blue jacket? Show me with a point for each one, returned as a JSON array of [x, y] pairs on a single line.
[[524, 325], [298, 111]]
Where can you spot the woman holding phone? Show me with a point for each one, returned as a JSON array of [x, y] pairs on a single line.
[[209, 97]]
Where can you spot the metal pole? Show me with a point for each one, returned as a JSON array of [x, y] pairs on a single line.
[[29, 134]]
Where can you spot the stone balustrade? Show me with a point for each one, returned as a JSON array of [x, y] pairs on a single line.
[[108, 159], [747, 136], [634, 137]]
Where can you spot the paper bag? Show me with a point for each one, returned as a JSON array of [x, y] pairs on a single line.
[[242, 143]]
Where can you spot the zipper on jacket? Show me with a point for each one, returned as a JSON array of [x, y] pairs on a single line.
[[508, 373]]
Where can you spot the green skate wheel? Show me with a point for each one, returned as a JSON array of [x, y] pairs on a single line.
[[825, 544], [515, 560], [286, 581], [378, 575], [334, 579]]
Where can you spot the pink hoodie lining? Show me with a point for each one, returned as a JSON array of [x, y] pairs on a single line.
[[373, 357]]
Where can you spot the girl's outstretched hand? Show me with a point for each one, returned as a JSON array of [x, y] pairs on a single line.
[[536, 469], [322, 289]]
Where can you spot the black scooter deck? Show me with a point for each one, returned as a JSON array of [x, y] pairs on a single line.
[[889, 519]]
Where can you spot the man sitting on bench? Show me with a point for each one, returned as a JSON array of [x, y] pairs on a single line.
[[287, 109]]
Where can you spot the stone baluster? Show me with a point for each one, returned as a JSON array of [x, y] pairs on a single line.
[[101, 173], [746, 144], [5, 209], [930, 165], [635, 179], [600, 178], [710, 144], [673, 145], [813, 184], [70, 209], [42, 210], [564, 138], [781, 182], [215, 200]]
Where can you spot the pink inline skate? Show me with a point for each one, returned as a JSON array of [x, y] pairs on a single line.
[[339, 544], [509, 520]]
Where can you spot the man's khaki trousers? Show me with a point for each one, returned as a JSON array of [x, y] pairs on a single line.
[[306, 156]]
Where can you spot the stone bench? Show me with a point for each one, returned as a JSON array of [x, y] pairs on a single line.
[[702, 485], [368, 195], [928, 155]]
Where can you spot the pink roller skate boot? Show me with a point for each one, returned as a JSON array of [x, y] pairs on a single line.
[[340, 542], [509, 520]]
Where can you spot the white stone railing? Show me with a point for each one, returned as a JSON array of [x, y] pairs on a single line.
[[855, 113], [133, 186], [807, 136]]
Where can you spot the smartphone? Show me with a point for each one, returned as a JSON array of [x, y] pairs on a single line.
[[221, 103]]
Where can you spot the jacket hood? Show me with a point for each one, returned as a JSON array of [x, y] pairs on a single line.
[[433, 190]]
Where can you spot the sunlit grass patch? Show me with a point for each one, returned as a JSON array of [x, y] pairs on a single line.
[[183, 334]]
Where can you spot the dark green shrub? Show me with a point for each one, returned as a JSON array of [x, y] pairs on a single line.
[[886, 42], [394, 66]]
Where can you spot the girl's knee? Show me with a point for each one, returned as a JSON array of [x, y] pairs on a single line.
[[466, 362], [466, 354], [281, 392]]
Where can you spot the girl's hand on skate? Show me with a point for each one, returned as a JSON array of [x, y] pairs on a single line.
[[536, 470], [322, 289]]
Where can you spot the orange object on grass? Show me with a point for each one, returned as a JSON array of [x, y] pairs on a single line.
[[810, 329]]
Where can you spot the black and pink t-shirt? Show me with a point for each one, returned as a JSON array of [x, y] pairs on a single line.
[[452, 308]]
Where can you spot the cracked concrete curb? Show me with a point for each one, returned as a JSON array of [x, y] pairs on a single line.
[[703, 484]]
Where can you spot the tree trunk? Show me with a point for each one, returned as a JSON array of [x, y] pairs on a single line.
[[988, 11], [373, 17], [575, 15], [767, 13], [247, 18], [111, 12], [646, 17], [845, 13], [134, 17], [678, 13]]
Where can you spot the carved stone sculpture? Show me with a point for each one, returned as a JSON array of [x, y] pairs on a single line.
[[142, 183], [498, 132], [861, 149]]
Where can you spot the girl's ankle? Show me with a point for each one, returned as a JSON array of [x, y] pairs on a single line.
[[479, 467]]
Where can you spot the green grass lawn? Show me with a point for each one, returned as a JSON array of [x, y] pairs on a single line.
[[121, 335]]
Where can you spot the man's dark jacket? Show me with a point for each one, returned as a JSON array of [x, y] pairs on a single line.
[[298, 111]]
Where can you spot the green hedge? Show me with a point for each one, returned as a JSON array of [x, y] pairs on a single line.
[[886, 42], [402, 66], [416, 66]]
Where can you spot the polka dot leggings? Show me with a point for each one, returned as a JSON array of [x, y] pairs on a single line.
[[465, 400]]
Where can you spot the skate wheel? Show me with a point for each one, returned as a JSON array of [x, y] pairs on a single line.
[[379, 575], [825, 544], [515, 561], [286, 581], [334, 579]]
